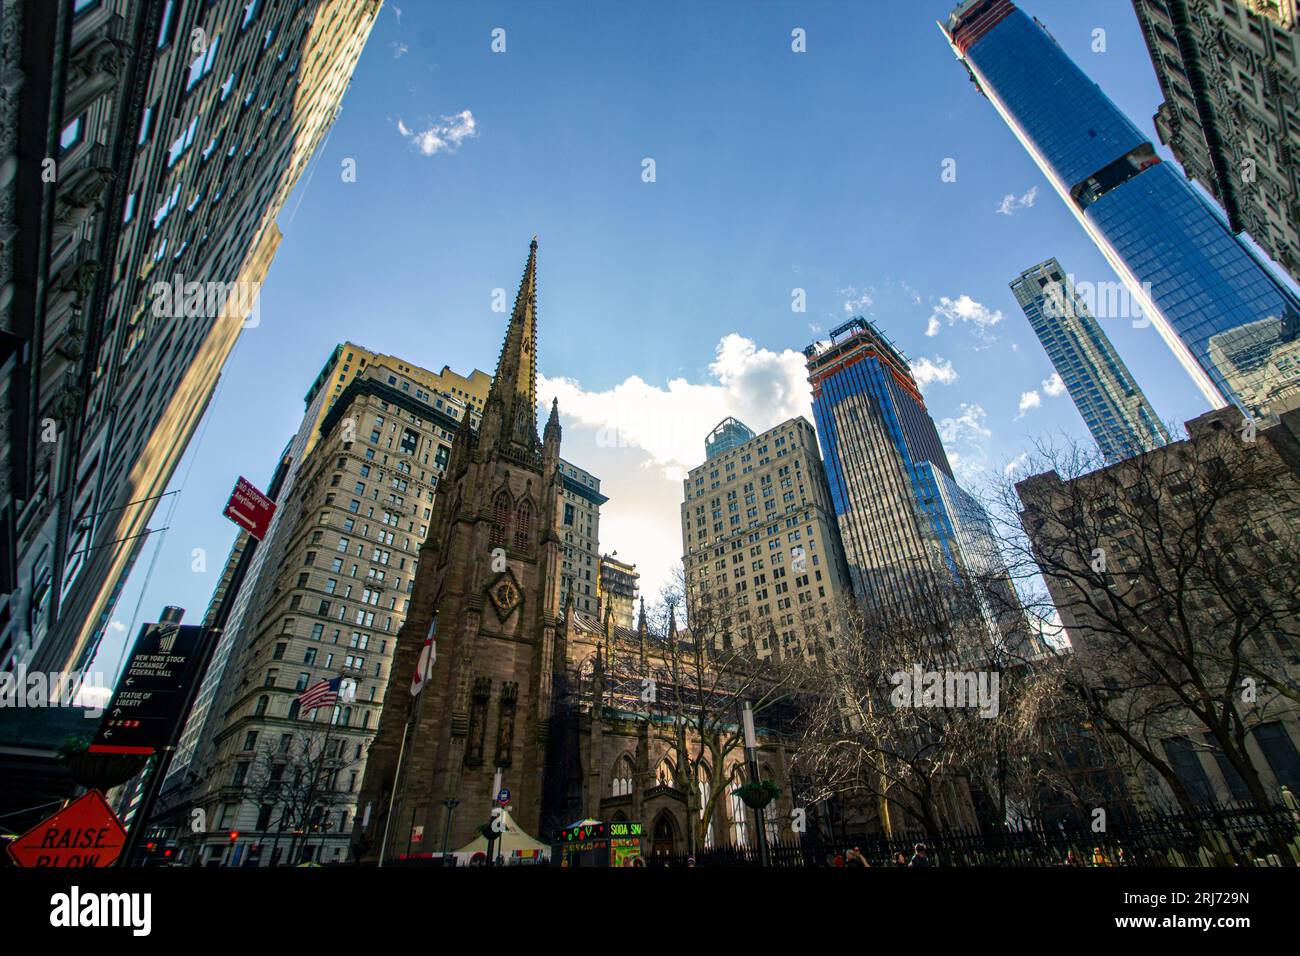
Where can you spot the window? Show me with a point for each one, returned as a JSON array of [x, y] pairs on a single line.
[[71, 135], [500, 518]]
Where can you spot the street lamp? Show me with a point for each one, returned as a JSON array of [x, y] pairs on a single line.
[[751, 758], [451, 804]]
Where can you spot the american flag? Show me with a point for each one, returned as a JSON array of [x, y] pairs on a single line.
[[325, 691]]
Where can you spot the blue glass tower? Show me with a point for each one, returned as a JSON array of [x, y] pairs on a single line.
[[885, 466], [1112, 405], [1231, 323]]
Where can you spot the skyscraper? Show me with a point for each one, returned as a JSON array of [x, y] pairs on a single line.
[[1113, 407], [884, 464], [579, 505], [760, 546], [617, 585], [324, 597], [178, 131], [1191, 277], [1231, 81]]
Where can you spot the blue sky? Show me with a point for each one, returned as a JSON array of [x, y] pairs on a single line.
[[664, 305]]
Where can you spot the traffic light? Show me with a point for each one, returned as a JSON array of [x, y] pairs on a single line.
[[234, 835]]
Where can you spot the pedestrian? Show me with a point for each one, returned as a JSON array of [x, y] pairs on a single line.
[[855, 858], [1099, 858], [918, 856], [900, 859], [690, 861], [839, 860], [1071, 859]]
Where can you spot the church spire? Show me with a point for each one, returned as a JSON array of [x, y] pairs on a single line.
[[514, 387]]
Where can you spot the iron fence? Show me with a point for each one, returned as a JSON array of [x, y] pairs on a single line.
[[1233, 835]]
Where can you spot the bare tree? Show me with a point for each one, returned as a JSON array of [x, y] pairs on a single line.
[[909, 704], [297, 778], [1175, 575]]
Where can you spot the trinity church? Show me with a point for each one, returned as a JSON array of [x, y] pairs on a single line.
[[518, 683]]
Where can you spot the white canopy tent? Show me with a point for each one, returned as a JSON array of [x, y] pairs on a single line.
[[512, 843]]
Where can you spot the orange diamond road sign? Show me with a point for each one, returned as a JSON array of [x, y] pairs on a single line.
[[84, 833]]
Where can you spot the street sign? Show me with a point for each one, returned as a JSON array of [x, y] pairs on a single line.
[[503, 797], [145, 712], [84, 833], [250, 509]]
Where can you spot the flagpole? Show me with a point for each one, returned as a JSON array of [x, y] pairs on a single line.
[[401, 756], [412, 717]]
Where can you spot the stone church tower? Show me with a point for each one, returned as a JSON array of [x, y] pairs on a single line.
[[490, 571]]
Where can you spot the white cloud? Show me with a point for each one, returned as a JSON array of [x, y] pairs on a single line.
[[398, 49], [1053, 385], [964, 438], [1011, 202], [444, 136], [1015, 464], [966, 427], [1029, 400], [641, 438], [857, 302], [966, 310], [928, 371]]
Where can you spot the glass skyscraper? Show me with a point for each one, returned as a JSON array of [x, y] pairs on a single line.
[[1113, 407], [885, 465], [1230, 322]]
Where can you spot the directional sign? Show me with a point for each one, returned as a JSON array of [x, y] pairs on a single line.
[[84, 833], [145, 712], [250, 509]]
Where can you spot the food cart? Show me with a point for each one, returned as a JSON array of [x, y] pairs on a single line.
[[593, 843]]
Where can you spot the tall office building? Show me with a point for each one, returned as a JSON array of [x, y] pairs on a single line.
[[902, 518], [618, 590], [1113, 407], [1230, 75], [760, 545], [147, 147], [579, 511], [1190, 276], [324, 597]]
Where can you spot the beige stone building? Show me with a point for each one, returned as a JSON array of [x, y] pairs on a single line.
[[579, 514], [326, 597], [759, 539], [618, 590]]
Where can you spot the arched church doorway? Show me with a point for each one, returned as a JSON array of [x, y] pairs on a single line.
[[664, 836]]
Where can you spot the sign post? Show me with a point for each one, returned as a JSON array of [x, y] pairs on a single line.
[[148, 704], [250, 509]]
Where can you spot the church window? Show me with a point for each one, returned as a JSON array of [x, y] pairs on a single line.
[[500, 518]]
